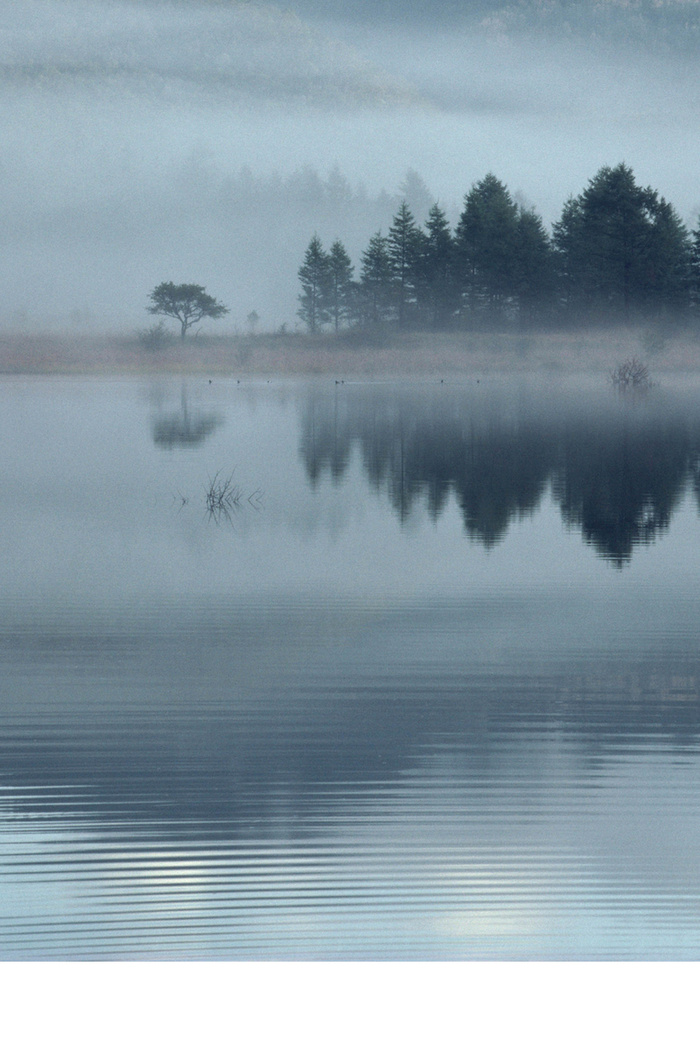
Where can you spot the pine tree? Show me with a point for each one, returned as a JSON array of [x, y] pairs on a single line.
[[314, 276], [438, 288], [402, 246], [486, 239], [621, 250], [695, 269], [616, 218], [416, 195], [568, 258], [376, 283], [534, 277], [670, 262], [340, 284]]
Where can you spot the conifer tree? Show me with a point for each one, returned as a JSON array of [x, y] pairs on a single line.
[[315, 283], [622, 250], [486, 239], [402, 246], [376, 282], [340, 284], [438, 287], [568, 258], [695, 268], [670, 264], [534, 265], [616, 219]]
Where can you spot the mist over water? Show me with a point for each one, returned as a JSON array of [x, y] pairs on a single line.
[[411, 704], [428, 685], [126, 128]]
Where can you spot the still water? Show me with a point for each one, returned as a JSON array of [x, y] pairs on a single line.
[[426, 686]]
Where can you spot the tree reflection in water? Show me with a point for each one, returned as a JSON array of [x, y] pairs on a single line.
[[183, 427], [616, 468]]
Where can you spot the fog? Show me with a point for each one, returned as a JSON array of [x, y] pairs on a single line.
[[207, 142]]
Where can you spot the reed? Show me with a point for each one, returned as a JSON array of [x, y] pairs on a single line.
[[222, 495]]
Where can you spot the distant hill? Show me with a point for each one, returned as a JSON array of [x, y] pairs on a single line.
[[658, 25], [171, 52]]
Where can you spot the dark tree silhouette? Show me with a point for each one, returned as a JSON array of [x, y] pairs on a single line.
[[438, 288], [620, 483], [188, 304], [534, 268], [618, 253], [340, 284], [402, 244], [315, 284], [487, 242], [621, 250], [695, 268], [376, 283]]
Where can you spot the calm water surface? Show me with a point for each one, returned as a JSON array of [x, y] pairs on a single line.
[[427, 687]]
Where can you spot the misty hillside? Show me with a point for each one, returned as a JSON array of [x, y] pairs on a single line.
[[659, 25], [170, 52]]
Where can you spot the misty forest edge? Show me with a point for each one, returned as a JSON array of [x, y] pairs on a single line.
[[618, 254]]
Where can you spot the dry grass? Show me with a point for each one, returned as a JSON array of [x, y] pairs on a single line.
[[352, 354], [221, 494], [223, 497]]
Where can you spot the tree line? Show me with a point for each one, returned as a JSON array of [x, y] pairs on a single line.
[[618, 253]]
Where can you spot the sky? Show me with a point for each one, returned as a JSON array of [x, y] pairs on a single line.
[[150, 140]]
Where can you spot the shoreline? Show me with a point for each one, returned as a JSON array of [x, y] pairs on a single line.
[[353, 355]]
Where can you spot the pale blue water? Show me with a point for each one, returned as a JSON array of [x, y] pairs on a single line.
[[429, 689]]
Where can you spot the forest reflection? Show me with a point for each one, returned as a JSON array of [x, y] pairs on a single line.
[[617, 467]]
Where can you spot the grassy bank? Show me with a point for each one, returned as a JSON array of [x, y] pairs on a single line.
[[353, 354]]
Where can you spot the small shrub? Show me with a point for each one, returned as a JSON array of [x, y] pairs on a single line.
[[631, 374], [156, 337]]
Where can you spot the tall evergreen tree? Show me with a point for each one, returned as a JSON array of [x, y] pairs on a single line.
[[416, 195], [438, 287], [695, 269], [616, 217], [534, 268], [376, 292], [315, 284], [621, 250], [402, 246], [340, 284], [486, 239], [670, 262], [568, 257]]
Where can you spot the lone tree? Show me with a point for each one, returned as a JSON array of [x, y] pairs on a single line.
[[188, 304]]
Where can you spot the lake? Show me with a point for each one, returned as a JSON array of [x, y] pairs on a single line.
[[419, 681]]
